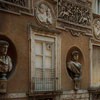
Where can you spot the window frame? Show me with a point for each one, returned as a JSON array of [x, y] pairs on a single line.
[[96, 7], [91, 62], [57, 57]]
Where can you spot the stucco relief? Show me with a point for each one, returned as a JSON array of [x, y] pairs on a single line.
[[74, 15], [96, 28], [44, 13], [14, 6], [18, 2]]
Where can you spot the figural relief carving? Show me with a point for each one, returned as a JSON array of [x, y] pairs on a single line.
[[74, 69], [73, 13], [74, 16], [15, 6], [44, 13], [96, 28]]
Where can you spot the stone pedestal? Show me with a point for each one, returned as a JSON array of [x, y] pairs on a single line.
[[3, 83], [3, 86]]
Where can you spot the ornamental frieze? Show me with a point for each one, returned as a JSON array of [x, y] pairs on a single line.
[[14, 6], [74, 13]]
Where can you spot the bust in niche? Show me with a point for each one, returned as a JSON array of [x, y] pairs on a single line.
[[44, 14], [74, 69], [5, 60]]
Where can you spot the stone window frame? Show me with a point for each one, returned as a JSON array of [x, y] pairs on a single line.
[[57, 60], [91, 63], [96, 6]]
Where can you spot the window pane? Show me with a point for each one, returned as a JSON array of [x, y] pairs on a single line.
[[48, 49], [38, 61], [48, 62], [48, 73], [38, 48], [96, 65], [39, 73]]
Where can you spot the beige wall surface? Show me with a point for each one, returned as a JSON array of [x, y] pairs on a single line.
[[15, 27], [81, 42]]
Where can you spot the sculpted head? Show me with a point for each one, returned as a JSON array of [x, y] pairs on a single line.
[[75, 55], [3, 47]]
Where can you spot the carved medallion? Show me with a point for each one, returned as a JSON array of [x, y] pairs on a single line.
[[96, 28], [44, 13]]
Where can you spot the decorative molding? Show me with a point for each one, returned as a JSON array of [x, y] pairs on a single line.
[[74, 15], [76, 33], [15, 6], [43, 28]]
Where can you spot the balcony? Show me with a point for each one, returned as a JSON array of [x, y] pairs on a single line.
[[44, 84]]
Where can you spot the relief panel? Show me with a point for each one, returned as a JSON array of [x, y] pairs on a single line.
[[74, 14], [15, 6]]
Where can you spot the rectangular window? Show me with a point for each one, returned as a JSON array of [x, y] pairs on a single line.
[[96, 66], [44, 64], [45, 71], [96, 6]]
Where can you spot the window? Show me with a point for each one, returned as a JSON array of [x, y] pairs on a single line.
[[95, 66], [45, 66], [96, 6]]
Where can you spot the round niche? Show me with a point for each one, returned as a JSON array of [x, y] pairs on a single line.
[[10, 56]]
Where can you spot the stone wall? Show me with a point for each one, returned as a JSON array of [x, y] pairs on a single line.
[[72, 95]]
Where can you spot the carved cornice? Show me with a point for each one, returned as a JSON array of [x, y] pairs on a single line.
[[44, 28]]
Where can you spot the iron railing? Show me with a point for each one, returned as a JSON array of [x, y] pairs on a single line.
[[44, 84]]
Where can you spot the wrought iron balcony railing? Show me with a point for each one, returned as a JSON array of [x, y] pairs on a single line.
[[44, 84]]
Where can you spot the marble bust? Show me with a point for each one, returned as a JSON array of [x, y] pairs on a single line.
[[96, 28], [5, 60], [44, 14], [74, 69]]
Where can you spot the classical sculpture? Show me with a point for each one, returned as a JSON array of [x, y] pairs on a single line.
[[74, 69], [97, 29], [70, 12], [5, 65], [44, 14]]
